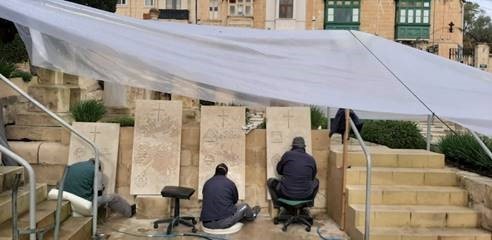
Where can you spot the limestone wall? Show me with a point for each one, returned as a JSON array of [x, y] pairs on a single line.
[[479, 195], [49, 159]]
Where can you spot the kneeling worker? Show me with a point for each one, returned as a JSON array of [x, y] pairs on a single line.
[[220, 209], [80, 181], [298, 171]]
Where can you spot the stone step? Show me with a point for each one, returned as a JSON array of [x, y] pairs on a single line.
[[54, 97], [22, 200], [39, 119], [394, 158], [415, 216], [403, 176], [74, 228], [412, 195], [7, 176], [424, 234], [45, 218]]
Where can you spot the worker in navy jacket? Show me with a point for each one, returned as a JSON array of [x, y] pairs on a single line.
[[298, 175], [220, 209]]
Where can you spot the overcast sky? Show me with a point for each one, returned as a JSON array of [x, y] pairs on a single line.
[[485, 5]]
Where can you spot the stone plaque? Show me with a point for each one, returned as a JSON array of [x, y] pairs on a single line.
[[222, 140], [283, 124], [106, 137], [156, 146]]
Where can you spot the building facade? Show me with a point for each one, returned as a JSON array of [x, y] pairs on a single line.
[[432, 25]]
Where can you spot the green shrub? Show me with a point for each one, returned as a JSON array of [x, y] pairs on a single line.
[[6, 69], [463, 149], [88, 111], [318, 118], [394, 134], [14, 51], [26, 76], [125, 121]]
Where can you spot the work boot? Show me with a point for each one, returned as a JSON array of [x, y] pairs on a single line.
[[256, 211], [134, 209]]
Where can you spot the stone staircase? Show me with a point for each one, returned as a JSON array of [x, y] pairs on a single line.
[[414, 196], [72, 228]]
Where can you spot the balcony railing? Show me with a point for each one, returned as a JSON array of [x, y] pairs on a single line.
[[176, 14]]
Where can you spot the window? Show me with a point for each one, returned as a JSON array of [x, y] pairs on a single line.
[[413, 11], [342, 14], [412, 20], [286, 9], [173, 4], [121, 2], [240, 7], [149, 3], [213, 9]]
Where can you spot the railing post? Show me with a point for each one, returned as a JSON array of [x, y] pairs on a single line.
[[367, 224], [429, 133], [69, 127], [32, 189]]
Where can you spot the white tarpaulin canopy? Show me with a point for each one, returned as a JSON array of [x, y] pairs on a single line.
[[346, 69]]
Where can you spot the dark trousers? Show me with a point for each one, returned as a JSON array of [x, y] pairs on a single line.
[[243, 213], [274, 190]]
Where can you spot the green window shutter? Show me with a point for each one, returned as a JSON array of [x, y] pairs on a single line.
[[342, 14], [412, 19]]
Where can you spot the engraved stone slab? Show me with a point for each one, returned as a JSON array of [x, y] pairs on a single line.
[[222, 140], [106, 137], [283, 124], [156, 146]]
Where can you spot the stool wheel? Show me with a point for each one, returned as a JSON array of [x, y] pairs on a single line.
[[193, 230], [284, 229], [308, 229], [156, 226], [275, 220]]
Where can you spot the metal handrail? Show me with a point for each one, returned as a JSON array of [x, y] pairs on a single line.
[[367, 224], [72, 130], [482, 144], [32, 189]]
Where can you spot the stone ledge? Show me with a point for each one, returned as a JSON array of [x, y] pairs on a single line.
[[479, 195]]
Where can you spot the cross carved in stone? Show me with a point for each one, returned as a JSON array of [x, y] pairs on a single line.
[[158, 110], [223, 116], [288, 116], [95, 133]]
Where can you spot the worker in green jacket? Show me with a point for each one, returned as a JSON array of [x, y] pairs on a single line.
[[80, 181]]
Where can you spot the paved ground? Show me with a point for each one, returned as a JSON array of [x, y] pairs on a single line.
[[263, 228]]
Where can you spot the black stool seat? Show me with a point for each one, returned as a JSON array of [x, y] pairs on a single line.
[[177, 193], [295, 212]]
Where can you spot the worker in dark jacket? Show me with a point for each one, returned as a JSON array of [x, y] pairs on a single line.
[[298, 175], [338, 123], [220, 209], [80, 181]]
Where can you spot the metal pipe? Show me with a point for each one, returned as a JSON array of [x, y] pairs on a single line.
[[429, 134], [59, 203], [69, 127], [368, 181], [32, 189], [482, 144]]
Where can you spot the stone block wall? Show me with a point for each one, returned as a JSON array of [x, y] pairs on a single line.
[[479, 195]]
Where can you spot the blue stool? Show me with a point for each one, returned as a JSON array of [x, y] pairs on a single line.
[[294, 213]]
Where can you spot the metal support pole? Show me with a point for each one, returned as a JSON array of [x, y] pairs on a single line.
[[32, 189], [59, 199], [367, 223], [429, 134], [482, 144], [69, 127], [328, 124]]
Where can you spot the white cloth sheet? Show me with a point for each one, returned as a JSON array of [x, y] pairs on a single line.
[[252, 66]]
